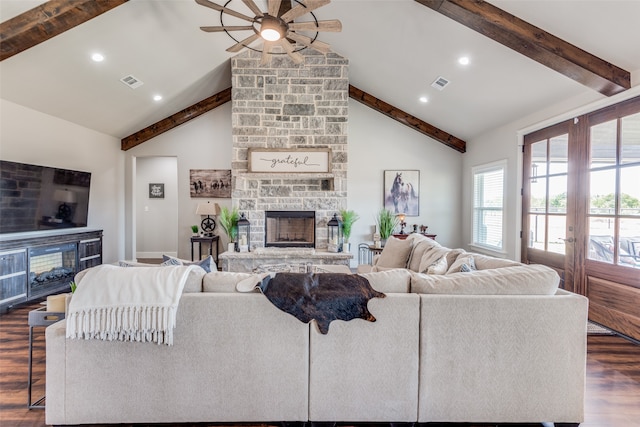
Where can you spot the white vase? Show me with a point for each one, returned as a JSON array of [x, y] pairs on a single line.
[[231, 247]]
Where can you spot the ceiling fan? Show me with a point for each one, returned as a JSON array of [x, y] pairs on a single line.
[[276, 27]]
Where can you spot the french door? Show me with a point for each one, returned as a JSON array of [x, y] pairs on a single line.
[[581, 210]]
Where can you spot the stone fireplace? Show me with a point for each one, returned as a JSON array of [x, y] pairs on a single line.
[[283, 105]]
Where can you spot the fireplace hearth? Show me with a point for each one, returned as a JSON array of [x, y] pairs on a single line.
[[296, 229]]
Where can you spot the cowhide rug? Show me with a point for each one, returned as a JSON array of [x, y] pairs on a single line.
[[324, 297]]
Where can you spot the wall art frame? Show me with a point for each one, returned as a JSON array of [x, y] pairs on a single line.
[[156, 190], [401, 191], [289, 160], [210, 183]]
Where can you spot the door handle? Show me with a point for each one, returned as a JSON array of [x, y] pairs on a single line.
[[569, 240]]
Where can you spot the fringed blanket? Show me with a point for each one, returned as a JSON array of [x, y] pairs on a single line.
[[324, 297], [127, 304]]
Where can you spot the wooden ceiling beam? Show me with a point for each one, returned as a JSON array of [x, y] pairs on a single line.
[[46, 21], [176, 119], [535, 43], [407, 119]]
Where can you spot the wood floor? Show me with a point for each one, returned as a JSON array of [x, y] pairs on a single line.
[[612, 392]]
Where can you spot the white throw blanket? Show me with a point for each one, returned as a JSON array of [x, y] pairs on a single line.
[[127, 303]]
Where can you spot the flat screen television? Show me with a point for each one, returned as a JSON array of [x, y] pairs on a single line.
[[36, 197]]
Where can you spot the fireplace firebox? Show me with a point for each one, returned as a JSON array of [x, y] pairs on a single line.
[[290, 229], [51, 268]]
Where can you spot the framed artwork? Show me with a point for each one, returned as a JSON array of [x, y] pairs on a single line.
[[402, 191], [156, 191], [289, 160], [210, 183]]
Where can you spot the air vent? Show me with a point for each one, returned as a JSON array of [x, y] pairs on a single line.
[[440, 83], [131, 81]]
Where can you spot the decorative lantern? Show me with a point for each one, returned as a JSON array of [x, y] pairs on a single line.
[[335, 234], [244, 233]]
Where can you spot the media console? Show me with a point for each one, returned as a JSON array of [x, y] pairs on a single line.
[[34, 265]]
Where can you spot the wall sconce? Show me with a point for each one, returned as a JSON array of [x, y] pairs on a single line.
[[208, 224]]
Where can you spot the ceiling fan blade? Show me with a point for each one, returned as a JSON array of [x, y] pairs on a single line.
[[331, 25], [274, 7], [216, 29], [266, 52], [246, 42], [296, 56], [304, 40], [219, 8], [254, 8], [300, 10]]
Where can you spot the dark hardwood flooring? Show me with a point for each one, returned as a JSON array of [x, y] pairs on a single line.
[[612, 391]]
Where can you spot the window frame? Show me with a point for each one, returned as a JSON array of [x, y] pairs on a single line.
[[475, 172]]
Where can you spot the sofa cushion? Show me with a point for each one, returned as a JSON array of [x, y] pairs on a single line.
[[484, 262], [532, 279], [395, 253], [222, 281], [390, 281], [208, 264]]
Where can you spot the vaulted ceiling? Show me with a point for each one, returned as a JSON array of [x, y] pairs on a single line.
[[396, 48]]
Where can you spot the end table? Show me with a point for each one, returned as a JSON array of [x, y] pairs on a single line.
[[38, 317], [205, 239]]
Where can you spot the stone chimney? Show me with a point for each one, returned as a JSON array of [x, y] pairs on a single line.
[[283, 105]]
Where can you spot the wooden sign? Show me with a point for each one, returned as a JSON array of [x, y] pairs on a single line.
[[288, 160]]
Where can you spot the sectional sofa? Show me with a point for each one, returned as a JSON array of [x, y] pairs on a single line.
[[498, 344]]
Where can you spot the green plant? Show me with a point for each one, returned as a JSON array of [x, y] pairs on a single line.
[[73, 286], [348, 218], [228, 219], [194, 228], [387, 222]]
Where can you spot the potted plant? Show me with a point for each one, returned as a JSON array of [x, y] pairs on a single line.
[[387, 222], [228, 219], [348, 218], [194, 230]]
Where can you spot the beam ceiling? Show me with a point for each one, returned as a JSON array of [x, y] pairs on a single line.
[[46, 21], [535, 43]]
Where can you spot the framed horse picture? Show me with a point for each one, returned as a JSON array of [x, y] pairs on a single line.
[[402, 191]]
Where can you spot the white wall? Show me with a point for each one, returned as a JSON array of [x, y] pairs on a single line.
[[202, 143], [378, 143], [506, 143], [29, 136], [157, 218]]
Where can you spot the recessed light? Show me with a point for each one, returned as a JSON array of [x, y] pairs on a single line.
[[97, 57], [424, 99], [157, 97], [463, 60]]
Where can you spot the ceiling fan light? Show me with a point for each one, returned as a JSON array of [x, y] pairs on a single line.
[[272, 29]]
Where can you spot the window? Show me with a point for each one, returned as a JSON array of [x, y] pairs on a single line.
[[614, 194], [488, 205]]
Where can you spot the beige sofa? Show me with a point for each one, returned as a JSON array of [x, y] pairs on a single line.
[[429, 357]]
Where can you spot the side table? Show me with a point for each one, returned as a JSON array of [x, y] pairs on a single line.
[[205, 239], [38, 317]]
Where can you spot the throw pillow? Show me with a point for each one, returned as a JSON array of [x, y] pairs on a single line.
[[464, 263], [208, 264], [438, 267], [430, 256], [142, 264], [395, 253]]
